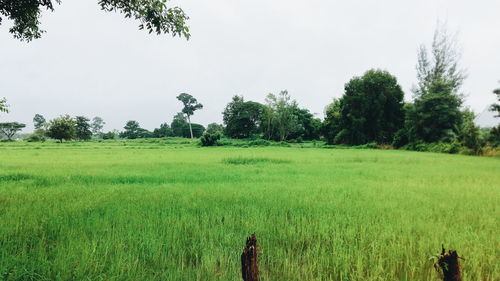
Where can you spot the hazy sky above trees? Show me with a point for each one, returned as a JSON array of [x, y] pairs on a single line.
[[95, 63]]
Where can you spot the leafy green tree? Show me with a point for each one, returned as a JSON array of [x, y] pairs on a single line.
[[242, 118], [281, 112], [11, 128], [496, 106], [111, 135], [401, 138], [163, 131], [62, 128], [132, 130], [190, 106], [372, 109], [332, 125], [470, 134], [309, 128], [39, 121], [208, 139], [437, 102], [153, 15], [178, 124], [144, 133], [494, 134], [82, 127], [4, 107], [214, 128], [97, 126], [196, 129]]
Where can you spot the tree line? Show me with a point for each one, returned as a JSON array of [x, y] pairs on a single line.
[[371, 110]]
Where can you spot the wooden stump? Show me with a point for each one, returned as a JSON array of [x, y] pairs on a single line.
[[249, 265], [450, 266]]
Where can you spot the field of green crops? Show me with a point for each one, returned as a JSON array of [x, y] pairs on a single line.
[[170, 210]]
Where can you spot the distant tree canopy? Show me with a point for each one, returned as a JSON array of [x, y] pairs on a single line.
[[132, 130], [196, 129], [62, 128], [97, 126], [179, 122], [4, 107], [163, 131], [82, 127], [242, 118], [371, 110], [332, 124], [309, 127], [10, 129], [279, 118], [214, 128], [496, 106], [469, 133], [153, 15], [39, 121]]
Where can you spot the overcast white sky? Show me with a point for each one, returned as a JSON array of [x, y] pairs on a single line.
[[95, 63]]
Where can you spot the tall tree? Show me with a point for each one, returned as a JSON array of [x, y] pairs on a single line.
[[470, 134], [282, 108], [97, 126], [372, 109], [10, 129], [190, 106], [153, 15], [308, 128], [82, 127], [132, 130], [332, 125], [437, 99], [39, 121], [62, 128], [242, 118], [178, 124]]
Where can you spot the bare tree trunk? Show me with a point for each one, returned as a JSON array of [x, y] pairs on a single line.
[[249, 265], [448, 262], [190, 128]]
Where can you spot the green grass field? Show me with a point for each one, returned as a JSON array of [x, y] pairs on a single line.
[[174, 211]]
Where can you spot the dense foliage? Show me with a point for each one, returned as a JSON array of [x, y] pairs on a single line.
[[97, 126], [153, 15], [371, 109], [62, 128], [242, 118], [83, 127], [210, 139]]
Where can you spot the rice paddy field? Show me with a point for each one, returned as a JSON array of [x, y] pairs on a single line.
[[170, 210]]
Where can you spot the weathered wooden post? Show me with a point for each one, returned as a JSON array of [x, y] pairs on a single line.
[[249, 265], [450, 267]]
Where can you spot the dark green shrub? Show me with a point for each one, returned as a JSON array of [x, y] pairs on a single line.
[[208, 139], [109, 135], [259, 142], [400, 138], [35, 138]]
